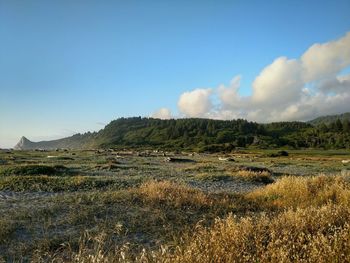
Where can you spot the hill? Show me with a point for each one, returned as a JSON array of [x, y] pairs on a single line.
[[76, 141], [204, 135], [330, 118]]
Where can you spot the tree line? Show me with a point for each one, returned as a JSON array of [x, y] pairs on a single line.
[[220, 135]]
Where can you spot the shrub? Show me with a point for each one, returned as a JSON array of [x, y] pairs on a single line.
[[278, 154]]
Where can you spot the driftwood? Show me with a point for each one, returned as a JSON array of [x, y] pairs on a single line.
[[226, 159], [252, 169], [179, 160]]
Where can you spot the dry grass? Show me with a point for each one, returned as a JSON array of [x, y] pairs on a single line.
[[311, 225], [302, 192], [246, 175], [255, 176], [305, 235], [174, 194]]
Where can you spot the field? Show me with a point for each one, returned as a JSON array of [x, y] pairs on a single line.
[[127, 206]]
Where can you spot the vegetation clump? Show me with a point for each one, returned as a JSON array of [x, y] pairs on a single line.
[[254, 169], [292, 191], [278, 154], [34, 169], [245, 175], [260, 177], [175, 194]]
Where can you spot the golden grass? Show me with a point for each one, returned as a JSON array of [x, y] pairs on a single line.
[[311, 225], [305, 235], [175, 194], [263, 177], [302, 235], [294, 192], [314, 227]]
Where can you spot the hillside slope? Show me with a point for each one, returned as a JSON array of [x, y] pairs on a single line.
[[76, 141], [330, 118], [202, 135]]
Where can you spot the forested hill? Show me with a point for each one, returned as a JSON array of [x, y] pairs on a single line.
[[210, 135], [218, 135], [330, 118]]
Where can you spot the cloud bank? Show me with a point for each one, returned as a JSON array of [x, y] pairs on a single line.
[[287, 89]]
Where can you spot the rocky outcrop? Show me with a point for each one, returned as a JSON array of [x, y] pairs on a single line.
[[77, 141], [24, 144]]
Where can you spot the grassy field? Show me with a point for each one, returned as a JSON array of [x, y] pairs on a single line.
[[108, 206]]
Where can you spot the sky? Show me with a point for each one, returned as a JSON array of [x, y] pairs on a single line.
[[73, 66]]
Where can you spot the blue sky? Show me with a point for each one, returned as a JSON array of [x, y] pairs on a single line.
[[70, 66]]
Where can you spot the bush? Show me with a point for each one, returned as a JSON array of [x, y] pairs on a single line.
[[282, 153], [278, 154]]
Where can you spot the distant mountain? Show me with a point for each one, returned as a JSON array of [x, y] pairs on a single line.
[[202, 135], [76, 141], [24, 144], [330, 118]]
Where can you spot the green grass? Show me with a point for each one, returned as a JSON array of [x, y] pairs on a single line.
[[44, 183], [33, 170]]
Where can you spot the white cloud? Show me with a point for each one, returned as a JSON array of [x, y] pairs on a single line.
[[162, 113], [195, 103], [287, 89], [278, 84], [229, 96], [326, 60]]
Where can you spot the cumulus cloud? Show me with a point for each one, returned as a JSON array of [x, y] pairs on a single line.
[[162, 113], [229, 96], [326, 60], [196, 103], [278, 84], [287, 89]]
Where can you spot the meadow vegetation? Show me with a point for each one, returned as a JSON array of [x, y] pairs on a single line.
[[149, 210]]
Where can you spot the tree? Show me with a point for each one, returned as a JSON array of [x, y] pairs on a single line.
[[346, 126], [225, 136], [338, 125]]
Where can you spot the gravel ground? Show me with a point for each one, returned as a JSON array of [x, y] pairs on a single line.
[[234, 186], [13, 200]]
